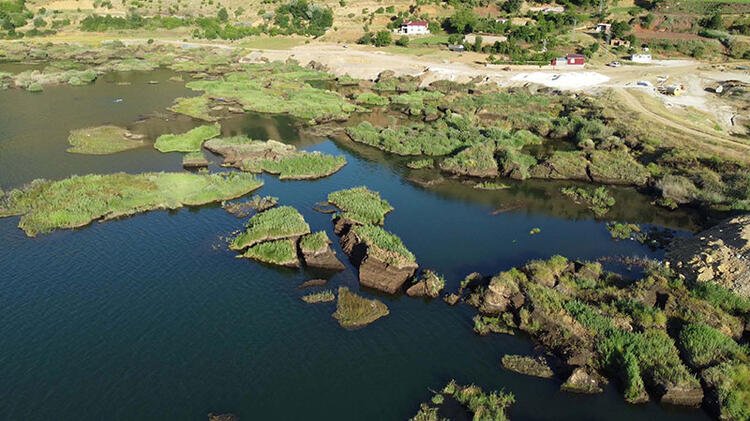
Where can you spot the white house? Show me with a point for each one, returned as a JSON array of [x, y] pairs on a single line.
[[415, 27], [603, 28], [641, 58]]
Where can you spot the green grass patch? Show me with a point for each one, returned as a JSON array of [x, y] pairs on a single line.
[[190, 141], [273, 224], [196, 107], [276, 89], [705, 346], [101, 140], [491, 185], [732, 384], [317, 241], [275, 158], [76, 201], [476, 161], [384, 245], [353, 311], [417, 139], [275, 252], [360, 204], [651, 353], [303, 165], [418, 102], [617, 167], [371, 99], [420, 164]]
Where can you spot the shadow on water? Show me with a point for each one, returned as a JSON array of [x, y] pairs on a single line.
[[151, 317]]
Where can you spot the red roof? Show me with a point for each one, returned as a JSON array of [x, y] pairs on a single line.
[[416, 23], [576, 56]]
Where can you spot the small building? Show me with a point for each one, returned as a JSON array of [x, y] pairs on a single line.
[[415, 27], [569, 60], [641, 58], [617, 42], [674, 90], [554, 9], [457, 48], [603, 28]]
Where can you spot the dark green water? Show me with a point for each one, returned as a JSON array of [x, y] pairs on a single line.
[[151, 317]]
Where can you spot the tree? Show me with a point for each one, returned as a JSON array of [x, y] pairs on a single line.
[[382, 38], [365, 39], [714, 22], [455, 39], [647, 20], [512, 6], [477, 43], [619, 28], [403, 41], [222, 15], [462, 21]]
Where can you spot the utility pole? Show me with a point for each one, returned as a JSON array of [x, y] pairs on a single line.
[[601, 6]]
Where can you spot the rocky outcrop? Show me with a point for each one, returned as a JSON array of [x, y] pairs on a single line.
[[583, 381], [319, 255], [503, 294], [429, 285], [682, 394], [312, 283], [719, 255], [378, 268]]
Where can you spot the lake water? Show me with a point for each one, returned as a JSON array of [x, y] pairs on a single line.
[[151, 317]]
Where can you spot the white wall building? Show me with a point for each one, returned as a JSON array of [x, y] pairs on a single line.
[[418, 27], [641, 58]]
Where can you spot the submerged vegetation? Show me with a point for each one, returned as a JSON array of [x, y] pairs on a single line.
[[76, 201], [189, 141], [354, 311], [598, 200], [361, 205], [102, 140]]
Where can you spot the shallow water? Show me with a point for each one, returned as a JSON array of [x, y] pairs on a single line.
[[151, 317]]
